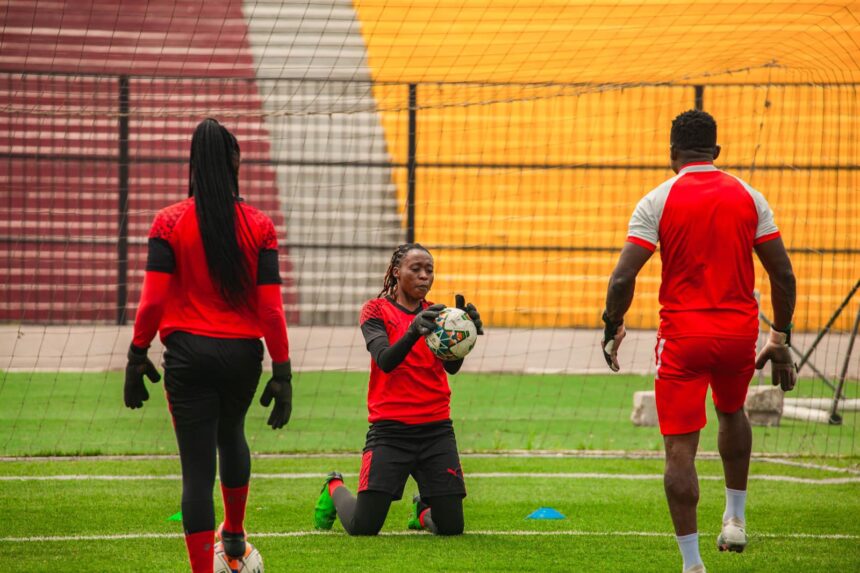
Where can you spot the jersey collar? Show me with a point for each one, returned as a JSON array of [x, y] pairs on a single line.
[[697, 167], [403, 308]]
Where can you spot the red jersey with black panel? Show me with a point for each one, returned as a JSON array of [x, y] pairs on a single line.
[[193, 303], [416, 391]]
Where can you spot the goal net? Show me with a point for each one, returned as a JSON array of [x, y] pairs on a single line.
[[512, 140]]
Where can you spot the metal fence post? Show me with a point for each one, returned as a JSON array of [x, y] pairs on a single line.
[[122, 177], [411, 164], [700, 97]]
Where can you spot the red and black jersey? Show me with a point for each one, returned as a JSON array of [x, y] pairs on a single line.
[[191, 302], [416, 391]]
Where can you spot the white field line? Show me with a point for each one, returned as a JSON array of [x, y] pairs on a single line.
[[586, 454], [782, 459], [810, 466], [596, 454], [476, 475], [513, 533]]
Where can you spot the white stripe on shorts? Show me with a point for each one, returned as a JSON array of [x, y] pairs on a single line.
[[660, 343]]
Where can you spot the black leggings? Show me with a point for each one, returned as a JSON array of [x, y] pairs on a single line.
[[197, 447], [366, 514], [210, 383]]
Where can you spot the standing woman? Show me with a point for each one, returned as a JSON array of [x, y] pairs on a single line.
[[212, 289], [409, 405]]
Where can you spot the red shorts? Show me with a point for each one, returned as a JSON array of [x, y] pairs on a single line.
[[685, 369]]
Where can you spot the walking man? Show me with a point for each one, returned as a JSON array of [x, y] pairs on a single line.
[[707, 223]]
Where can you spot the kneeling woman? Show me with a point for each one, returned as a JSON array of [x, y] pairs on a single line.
[[409, 411]]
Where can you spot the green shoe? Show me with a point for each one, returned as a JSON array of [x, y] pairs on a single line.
[[325, 512], [418, 507]]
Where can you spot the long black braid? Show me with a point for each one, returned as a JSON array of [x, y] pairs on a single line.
[[214, 183], [389, 283]]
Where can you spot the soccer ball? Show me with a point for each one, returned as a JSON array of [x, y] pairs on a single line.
[[454, 336], [251, 563]]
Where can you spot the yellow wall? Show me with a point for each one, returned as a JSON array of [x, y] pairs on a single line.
[[611, 42], [553, 234]]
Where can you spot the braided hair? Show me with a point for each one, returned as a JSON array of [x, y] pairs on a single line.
[[213, 181], [694, 130], [389, 283]]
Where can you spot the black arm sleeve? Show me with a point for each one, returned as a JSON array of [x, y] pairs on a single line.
[[267, 268], [386, 356], [159, 256], [453, 366]]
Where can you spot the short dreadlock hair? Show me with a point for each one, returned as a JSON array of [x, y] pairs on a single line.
[[694, 130], [389, 284]]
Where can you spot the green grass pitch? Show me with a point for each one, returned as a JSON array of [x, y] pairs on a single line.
[[616, 515], [83, 413]]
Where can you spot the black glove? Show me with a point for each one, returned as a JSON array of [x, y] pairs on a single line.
[[425, 322], [279, 387], [613, 334], [138, 366], [471, 311]]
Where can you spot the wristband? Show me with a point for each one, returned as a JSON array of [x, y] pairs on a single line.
[[609, 324], [786, 332]]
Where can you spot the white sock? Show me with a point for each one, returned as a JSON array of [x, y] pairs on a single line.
[[689, 546], [736, 499]]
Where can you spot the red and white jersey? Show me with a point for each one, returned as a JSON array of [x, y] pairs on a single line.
[[706, 222]]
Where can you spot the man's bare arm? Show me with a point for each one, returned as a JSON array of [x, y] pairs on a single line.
[[619, 295], [774, 258], [783, 292], [622, 283]]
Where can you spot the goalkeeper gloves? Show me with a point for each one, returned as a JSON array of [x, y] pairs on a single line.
[[138, 366], [613, 334], [425, 322], [783, 370], [470, 310], [280, 388]]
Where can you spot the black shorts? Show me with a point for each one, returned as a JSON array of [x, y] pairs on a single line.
[[428, 452], [206, 377]]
